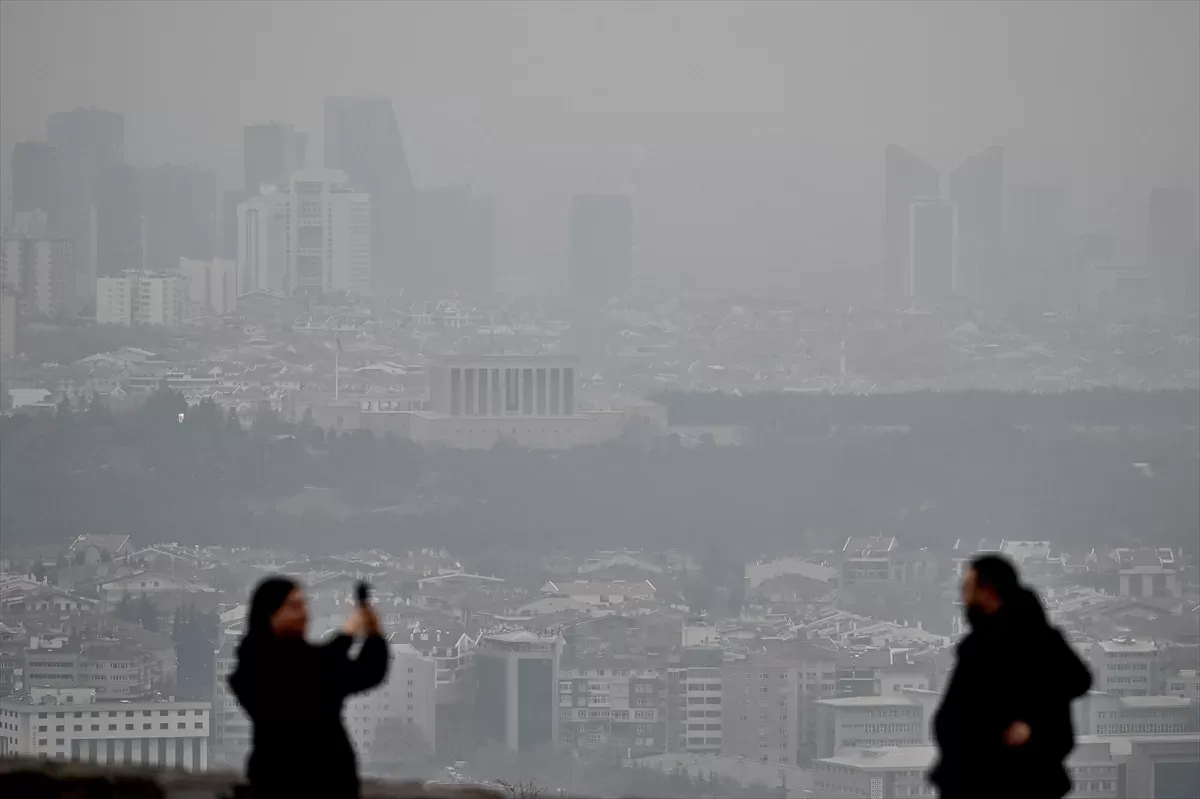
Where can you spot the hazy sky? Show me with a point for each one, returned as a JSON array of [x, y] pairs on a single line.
[[754, 133]]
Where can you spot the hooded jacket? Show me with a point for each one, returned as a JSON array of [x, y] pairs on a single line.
[[1012, 666]]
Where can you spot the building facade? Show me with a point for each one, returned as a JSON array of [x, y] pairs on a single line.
[[601, 242], [71, 724], [329, 234], [762, 711], [271, 153], [516, 690], [264, 243], [869, 722], [614, 706], [407, 697], [141, 298], [212, 286], [41, 272]]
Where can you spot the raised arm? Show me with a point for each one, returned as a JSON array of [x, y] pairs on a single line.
[[351, 676]]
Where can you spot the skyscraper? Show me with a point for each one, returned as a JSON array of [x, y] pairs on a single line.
[[601, 240], [932, 263], [363, 139], [330, 227], [263, 246], [1036, 263], [229, 222], [179, 207], [906, 178], [452, 243], [271, 152], [119, 230], [1170, 239], [35, 180], [977, 190], [87, 141]]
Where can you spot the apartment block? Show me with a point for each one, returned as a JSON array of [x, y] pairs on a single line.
[[761, 699], [41, 273], [695, 693], [407, 697], [141, 298], [612, 705]]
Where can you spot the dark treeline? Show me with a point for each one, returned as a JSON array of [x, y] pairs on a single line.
[[962, 472], [1099, 407]]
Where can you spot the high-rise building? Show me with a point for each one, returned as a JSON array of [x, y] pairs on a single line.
[[601, 240], [977, 191], [141, 298], [906, 178], [179, 206], [516, 691], [119, 231], [452, 243], [382, 721], [86, 141], [1170, 240], [40, 271], [363, 139], [314, 238], [35, 179], [212, 285], [1036, 253], [697, 675], [9, 322], [230, 201], [762, 717], [932, 276], [263, 243], [271, 153], [330, 234]]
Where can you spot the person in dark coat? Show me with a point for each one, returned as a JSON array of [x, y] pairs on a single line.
[[293, 692], [1004, 725]]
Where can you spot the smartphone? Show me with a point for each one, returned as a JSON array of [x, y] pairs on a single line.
[[363, 592]]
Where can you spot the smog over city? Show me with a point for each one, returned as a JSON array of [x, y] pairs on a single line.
[[600, 399]]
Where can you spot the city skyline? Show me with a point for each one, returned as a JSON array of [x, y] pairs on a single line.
[[533, 138]]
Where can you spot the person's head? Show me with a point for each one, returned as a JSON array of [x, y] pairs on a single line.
[[278, 609], [988, 583]]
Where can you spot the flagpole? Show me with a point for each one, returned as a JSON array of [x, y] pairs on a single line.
[[337, 349]]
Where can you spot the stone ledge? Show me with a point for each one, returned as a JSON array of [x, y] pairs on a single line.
[[31, 778]]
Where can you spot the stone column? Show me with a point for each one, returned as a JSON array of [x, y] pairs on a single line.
[[188, 753]]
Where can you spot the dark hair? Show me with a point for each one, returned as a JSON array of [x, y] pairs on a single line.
[[997, 573], [269, 595]]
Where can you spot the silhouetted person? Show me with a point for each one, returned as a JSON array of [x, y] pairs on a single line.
[[293, 692], [1004, 727]]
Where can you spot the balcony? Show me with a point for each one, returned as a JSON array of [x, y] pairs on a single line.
[[28, 777]]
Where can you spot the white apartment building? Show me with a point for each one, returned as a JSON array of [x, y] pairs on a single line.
[[70, 724], [141, 298], [408, 696], [699, 676], [329, 233], [263, 243], [212, 286], [40, 272]]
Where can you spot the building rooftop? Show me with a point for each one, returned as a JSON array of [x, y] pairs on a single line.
[[886, 759]]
